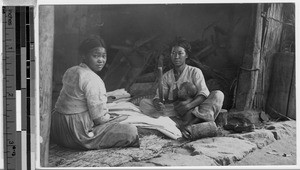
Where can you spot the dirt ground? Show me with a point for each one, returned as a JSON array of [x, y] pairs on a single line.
[[275, 145], [280, 152]]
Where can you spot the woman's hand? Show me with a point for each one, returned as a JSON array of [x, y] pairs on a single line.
[[109, 117], [159, 106], [101, 120], [111, 99], [114, 117]]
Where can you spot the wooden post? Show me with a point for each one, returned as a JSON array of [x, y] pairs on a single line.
[[273, 15], [249, 70], [46, 36]]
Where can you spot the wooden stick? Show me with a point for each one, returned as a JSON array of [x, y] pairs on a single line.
[[120, 47], [211, 72], [207, 50], [141, 42], [160, 81], [279, 113]]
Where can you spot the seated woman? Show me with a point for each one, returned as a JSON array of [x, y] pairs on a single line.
[[80, 119], [205, 105]]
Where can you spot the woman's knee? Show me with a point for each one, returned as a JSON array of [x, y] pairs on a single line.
[[120, 135], [129, 131], [218, 94], [146, 102]]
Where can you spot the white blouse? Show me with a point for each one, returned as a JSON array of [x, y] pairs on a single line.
[[83, 91], [189, 74]]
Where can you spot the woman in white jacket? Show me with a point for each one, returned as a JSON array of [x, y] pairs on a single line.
[[80, 119]]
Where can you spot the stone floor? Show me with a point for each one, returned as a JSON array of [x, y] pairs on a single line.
[[226, 149]]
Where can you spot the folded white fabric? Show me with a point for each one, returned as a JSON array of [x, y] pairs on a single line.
[[163, 124], [118, 94]]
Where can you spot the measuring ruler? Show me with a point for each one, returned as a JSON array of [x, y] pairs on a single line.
[[18, 58]]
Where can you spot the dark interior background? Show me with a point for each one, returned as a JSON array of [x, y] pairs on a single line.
[[225, 26]]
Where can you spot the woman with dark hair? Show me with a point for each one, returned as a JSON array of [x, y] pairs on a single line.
[[204, 107], [80, 119]]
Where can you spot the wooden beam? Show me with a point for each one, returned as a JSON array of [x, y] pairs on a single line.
[[46, 36], [247, 82], [270, 45]]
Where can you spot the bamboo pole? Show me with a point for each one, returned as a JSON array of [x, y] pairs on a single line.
[[46, 36], [256, 57], [247, 83]]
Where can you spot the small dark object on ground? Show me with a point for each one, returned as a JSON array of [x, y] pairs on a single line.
[[244, 128], [239, 128]]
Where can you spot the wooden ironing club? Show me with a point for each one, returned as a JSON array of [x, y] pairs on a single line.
[[160, 83]]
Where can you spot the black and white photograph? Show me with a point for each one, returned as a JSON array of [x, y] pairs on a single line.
[[173, 85]]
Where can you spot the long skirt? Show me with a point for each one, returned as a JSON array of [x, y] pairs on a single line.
[[77, 131]]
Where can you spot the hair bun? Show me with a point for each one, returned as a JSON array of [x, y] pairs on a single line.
[[89, 43], [182, 42]]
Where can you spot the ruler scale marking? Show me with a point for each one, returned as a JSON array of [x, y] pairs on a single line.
[[9, 138], [18, 61]]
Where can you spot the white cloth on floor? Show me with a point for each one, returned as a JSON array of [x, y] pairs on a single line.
[[163, 124], [119, 94]]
